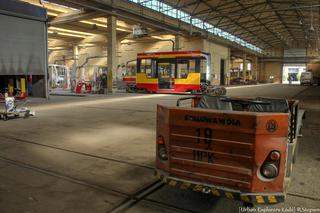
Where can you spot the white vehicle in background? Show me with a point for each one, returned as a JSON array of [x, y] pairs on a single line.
[[59, 76], [306, 78]]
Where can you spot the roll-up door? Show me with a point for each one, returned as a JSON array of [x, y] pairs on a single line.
[[294, 56], [22, 46]]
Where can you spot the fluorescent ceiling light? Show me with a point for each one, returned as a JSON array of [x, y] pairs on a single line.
[[56, 48], [71, 31], [105, 25], [157, 37], [52, 14], [86, 45], [120, 23], [66, 34], [163, 37], [124, 41], [72, 35]]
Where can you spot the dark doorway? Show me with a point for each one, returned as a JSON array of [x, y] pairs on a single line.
[[166, 70], [222, 68]]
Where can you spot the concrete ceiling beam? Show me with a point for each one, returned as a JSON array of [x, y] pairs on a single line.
[[74, 17]]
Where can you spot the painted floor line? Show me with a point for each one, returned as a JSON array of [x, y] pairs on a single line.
[[310, 197], [247, 86]]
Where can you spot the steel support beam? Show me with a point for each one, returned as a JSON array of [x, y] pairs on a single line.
[[237, 23]]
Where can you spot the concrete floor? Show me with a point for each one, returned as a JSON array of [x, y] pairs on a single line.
[[89, 154]]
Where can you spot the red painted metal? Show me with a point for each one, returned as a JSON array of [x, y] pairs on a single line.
[[129, 80], [147, 87], [186, 87], [83, 87], [176, 88]]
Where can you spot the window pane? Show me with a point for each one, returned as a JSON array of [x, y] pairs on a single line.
[[182, 68], [168, 10], [146, 67]]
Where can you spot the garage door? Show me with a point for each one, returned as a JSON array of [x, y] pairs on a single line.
[[295, 56], [22, 46]]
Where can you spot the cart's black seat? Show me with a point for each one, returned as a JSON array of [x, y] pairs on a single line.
[[275, 105], [214, 102]]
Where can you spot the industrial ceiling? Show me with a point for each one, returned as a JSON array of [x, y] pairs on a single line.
[[264, 23]]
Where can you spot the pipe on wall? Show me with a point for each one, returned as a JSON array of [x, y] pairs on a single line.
[[64, 59], [89, 58], [164, 40]]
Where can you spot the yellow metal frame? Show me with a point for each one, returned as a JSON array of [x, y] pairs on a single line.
[[192, 79], [11, 86], [258, 198], [143, 79], [23, 86]]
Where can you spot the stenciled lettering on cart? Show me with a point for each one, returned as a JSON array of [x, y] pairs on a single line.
[[219, 121]]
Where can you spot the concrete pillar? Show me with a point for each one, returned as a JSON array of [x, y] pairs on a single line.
[[256, 68], [82, 74], [178, 42], [112, 59], [228, 67], [76, 55], [244, 70], [79, 74]]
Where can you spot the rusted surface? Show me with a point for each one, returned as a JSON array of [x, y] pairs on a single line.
[[225, 148]]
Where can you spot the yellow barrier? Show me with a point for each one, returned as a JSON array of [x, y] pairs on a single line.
[[23, 87]]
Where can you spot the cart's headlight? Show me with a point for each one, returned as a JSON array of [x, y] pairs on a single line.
[[162, 151], [270, 167], [269, 170]]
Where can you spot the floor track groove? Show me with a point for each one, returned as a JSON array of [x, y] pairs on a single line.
[[77, 152]]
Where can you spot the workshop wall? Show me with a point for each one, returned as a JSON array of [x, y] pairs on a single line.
[[95, 46], [270, 72], [217, 52]]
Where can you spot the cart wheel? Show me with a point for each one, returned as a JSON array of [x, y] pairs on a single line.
[[217, 91], [223, 91]]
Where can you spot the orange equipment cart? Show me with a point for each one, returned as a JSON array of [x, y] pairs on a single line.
[[239, 148]]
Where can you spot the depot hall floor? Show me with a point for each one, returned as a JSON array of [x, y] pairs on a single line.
[[92, 154]]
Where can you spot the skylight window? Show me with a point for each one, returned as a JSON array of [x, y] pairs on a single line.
[[168, 10]]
